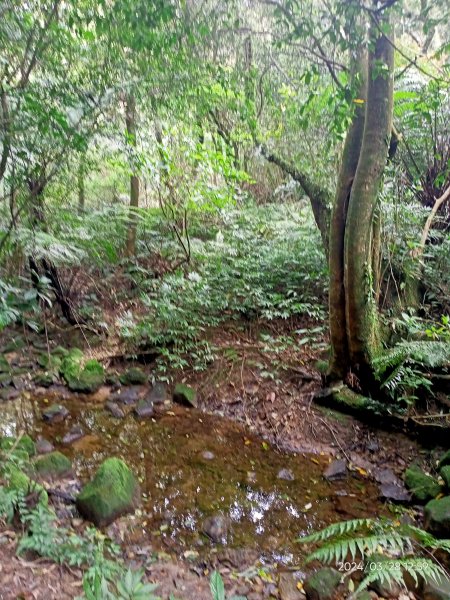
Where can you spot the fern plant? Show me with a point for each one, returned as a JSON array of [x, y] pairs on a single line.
[[408, 366], [387, 550]]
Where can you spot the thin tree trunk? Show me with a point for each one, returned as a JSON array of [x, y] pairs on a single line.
[[361, 310], [340, 358], [130, 248], [81, 189]]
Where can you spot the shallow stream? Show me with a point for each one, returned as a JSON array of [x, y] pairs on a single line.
[[192, 466]]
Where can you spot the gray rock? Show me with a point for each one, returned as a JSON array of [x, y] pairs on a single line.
[[159, 393], [56, 413], [386, 476], [75, 433], [216, 528], [207, 455], [336, 469], [322, 585], [43, 446], [439, 590], [394, 493], [185, 395], [286, 475], [114, 409], [129, 395], [287, 587], [144, 409]]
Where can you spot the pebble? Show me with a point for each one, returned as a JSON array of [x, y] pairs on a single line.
[[286, 474], [74, 434], [114, 409], [207, 455], [55, 413], [336, 469], [43, 446]]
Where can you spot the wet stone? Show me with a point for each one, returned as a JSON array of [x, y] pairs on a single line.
[[144, 409], [386, 476], [129, 395], [287, 587], [114, 409], [43, 446], [336, 469], [394, 493], [323, 584], [207, 455], [251, 477], [159, 393], [286, 475], [216, 528], [75, 433], [56, 413]]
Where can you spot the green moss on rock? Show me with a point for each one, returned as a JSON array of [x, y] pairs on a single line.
[[85, 377], [52, 465], [21, 482], [445, 460], [185, 395], [4, 365], [322, 585], [133, 376], [423, 487], [24, 444], [437, 517], [114, 491]]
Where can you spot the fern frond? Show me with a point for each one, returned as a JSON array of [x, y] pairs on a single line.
[[339, 549], [338, 529]]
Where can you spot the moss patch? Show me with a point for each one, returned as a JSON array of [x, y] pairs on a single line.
[[19, 481], [51, 465], [133, 376], [25, 444], [114, 491], [423, 487], [185, 395], [437, 517], [85, 377]]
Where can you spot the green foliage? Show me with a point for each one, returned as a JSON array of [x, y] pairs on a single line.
[[127, 586], [218, 588], [408, 366], [389, 549], [261, 263]]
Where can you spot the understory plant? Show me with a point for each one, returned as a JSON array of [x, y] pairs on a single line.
[[384, 550]]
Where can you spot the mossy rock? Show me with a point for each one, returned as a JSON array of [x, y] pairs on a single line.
[[21, 482], [185, 395], [49, 361], [445, 474], [113, 492], [25, 444], [422, 486], [45, 378], [85, 377], [133, 376], [52, 465], [445, 460], [437, 517], [322, 585]]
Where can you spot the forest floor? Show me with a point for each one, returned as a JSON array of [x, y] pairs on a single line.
[[270, 391]]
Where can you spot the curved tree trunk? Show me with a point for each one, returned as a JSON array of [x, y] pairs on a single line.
[[338, 331], [361, 310]]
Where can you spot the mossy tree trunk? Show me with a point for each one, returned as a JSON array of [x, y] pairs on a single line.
[[354, 232], [130, 119]]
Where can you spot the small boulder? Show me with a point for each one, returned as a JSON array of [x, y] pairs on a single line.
[[286, 475], [133, 376], [185, 395], [114, 409], [437, 517], [56, 413], [394, 493], [81, 376], [323, 584], [75, 433], [159, 393], [43, 446], [437, 590], [113, 492], [336, 469], [144, 409], [445, 474], [129, 395], [216, 528], [52, 465], [423, 487]]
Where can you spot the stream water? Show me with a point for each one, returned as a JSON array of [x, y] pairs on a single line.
[[192, 466]]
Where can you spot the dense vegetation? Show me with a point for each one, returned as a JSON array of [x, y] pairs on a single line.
[[174, 170]]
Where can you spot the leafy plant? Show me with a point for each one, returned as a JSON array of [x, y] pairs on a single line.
[[218, 588], [390, 550]]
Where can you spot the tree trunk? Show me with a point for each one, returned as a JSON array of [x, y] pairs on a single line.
[[338, 330], [361, 310], [130, 118]]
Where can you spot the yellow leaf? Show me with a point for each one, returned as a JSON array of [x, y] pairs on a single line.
[[247, 442], [314, 460], [358, 101], [265, 445], [299, 585], [361, 471]]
